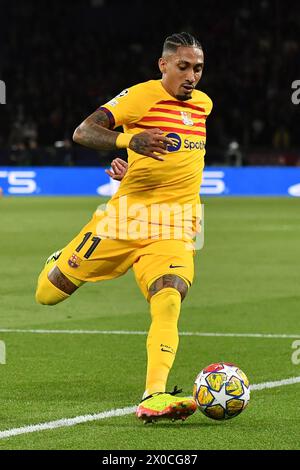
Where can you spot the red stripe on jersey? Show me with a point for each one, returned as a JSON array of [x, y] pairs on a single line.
[[173, 129], [182, 104], [165, 119], [178, 113]]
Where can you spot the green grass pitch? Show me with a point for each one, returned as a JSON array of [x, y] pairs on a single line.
[[247, 281]]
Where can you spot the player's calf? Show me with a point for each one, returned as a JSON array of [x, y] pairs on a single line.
[[165, 296]]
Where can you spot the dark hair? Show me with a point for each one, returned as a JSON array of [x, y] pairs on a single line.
[[180, 39]]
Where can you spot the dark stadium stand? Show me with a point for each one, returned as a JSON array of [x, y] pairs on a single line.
[[61, 60]]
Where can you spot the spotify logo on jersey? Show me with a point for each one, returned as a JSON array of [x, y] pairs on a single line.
[[176, 142]]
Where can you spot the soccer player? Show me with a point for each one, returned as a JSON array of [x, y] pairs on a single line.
[[164, 132]]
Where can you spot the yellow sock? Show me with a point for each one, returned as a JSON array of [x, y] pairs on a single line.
[[46, 292], [162, 341]]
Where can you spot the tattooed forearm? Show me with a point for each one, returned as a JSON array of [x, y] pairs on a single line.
[[94, 133], [169, 280]]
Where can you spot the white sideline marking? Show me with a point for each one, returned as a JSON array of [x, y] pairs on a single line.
[[278, 383], [123, 332], [76, 332], [67, 422]]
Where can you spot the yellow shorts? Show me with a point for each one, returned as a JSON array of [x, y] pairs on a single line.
[[89, 258]]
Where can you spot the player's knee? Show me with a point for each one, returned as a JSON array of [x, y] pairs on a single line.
[[48, 294], [45, 298], [165, 307], [170, 301], [173, 281]]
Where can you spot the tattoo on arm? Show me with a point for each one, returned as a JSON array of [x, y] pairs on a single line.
[[169, 280], [139, 143], [94, 132], [99, 117], [60, 281]]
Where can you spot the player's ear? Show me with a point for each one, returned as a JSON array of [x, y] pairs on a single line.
[[162, 64]]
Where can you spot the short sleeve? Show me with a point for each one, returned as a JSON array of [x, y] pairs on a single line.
[[126, 108]]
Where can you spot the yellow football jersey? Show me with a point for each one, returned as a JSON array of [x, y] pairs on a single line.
[[152, 189]]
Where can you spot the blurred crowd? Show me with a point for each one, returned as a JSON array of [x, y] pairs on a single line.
[[61, 60]]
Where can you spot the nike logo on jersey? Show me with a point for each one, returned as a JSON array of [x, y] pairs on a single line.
[[172, 266], [166, 350]]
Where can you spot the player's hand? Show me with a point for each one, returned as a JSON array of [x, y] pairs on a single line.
[[150, 143], [118, 169]]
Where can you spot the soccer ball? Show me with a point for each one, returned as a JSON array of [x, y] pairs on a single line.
[[222, 391]]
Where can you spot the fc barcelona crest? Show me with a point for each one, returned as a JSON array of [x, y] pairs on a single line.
[[74, 261], [187, 118]]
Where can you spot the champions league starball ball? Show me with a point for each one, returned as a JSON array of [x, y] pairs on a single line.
[[222, 391]]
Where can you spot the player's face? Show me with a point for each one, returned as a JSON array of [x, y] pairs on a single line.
[[181, 71]]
